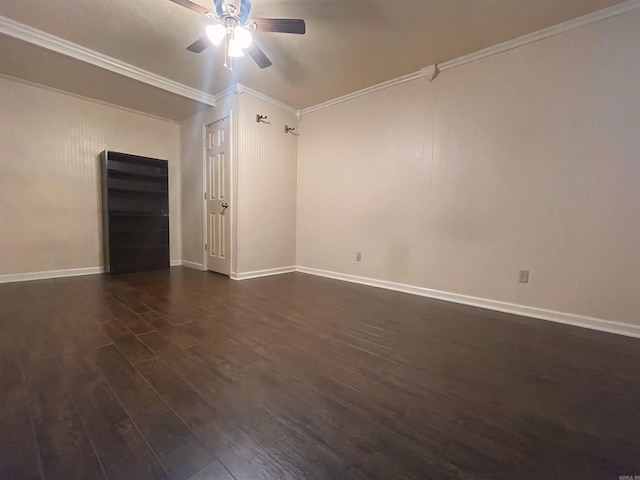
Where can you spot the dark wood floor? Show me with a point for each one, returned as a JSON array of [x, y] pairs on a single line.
[[187, 375]]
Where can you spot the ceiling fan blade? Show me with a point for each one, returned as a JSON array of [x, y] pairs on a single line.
[[282, 25], [199, 45], [195, 7], [258, 56]]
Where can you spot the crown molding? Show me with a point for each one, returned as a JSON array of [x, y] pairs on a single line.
[[86, 99], [59, 45], [429, 73], [50, 42], [240, 89], [432, 72], [233, 89], [603, 14]]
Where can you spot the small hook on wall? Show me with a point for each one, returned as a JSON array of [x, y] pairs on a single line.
[[291, 130], [261, 118]]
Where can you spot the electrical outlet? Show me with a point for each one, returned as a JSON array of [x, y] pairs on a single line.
[[524, 276], [358, 257]]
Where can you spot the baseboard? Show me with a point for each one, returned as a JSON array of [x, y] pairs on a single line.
[[73, 272], [262, 273], [195, 266], [533, 312]]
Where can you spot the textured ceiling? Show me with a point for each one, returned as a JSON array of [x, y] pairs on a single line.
[[349, 45]]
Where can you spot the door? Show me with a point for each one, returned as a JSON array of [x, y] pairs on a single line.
[[217, 197]]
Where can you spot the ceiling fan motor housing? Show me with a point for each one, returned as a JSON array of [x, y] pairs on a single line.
[[229, 8]]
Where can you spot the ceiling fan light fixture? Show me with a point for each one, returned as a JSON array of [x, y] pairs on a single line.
[[234, 26], [216, 33], [242, 36], [235, 50]]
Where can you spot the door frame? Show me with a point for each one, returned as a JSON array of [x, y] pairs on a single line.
[[223, 113]]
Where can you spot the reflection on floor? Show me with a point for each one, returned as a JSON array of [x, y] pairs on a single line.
[[183, 374]]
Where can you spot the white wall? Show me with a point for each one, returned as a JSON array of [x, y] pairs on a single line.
[[264, 181], [525, 160], [50, 191], [267, 188]]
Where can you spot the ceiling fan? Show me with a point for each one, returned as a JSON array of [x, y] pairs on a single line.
[[234, 27]]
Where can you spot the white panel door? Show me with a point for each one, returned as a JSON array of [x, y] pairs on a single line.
[[218, 171]]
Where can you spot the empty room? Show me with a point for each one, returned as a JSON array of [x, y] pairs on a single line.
[[311, 239]]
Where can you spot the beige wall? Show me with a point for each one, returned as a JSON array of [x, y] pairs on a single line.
[[525, 160], [263, 205], [267, 175], [50, 207]]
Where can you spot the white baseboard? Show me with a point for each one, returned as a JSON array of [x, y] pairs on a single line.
[[73, 272], [195, 266], [262, 273], [533, 312]]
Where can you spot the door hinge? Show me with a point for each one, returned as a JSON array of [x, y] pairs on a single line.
[[205, 195], [205, 247]]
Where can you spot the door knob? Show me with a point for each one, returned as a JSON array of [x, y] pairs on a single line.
[[225, 205]]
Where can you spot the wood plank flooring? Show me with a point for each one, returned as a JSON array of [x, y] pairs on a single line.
[[187, 375]]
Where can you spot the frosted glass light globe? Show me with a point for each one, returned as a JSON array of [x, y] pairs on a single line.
[[216, 33], [242, 36], [234, 48]]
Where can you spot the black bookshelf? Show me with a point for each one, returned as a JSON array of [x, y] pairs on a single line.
[[135, 212]]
